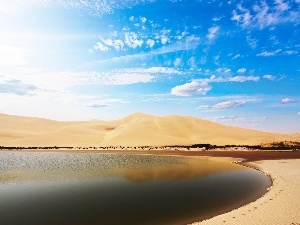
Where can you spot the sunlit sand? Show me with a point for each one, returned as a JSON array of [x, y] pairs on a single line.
[[135, 130], [280, 205]]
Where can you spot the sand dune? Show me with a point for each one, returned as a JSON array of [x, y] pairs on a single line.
[[135, 130]]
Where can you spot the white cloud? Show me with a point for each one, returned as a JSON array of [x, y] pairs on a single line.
[[95, 8], [164, 39], [243, 78], [288, 101], [117, 44], [216, 18], [177, 62], [192, 62], [226, 118], [131, 19], [34, 80], [132, 41], [12, 56], [266, 53], [281, 5], [104, 103], [189, 43], [62, 80], [252, 42], [223, 70], [143, 19], [101, 47], [188, 89], [263, 15], [17, 87], [290, 52], [212, 32], [298, 113], [97, 105], [241, 70], [222, 79], [236, 56], [150, 43], [154, 70], [228, 105], [269, 77], [222, 105]]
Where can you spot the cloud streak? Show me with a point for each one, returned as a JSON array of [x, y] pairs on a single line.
[[105, 103], [288, 101], [221, 106], [13, 86]]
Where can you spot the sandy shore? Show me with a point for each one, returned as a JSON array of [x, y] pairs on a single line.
[[280, 206]]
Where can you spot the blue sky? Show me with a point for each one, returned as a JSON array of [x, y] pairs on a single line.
[[232, 62]]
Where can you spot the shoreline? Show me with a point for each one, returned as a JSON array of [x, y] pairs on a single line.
[[245, 156], [280, 204]]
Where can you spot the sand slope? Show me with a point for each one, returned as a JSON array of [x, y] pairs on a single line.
[[135, 130]]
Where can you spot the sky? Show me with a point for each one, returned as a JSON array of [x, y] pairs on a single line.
[[234, 62]]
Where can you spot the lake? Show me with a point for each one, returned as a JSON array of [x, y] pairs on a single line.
[[90, 188]]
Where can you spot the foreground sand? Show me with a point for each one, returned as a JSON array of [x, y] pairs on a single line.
[[280, 206]]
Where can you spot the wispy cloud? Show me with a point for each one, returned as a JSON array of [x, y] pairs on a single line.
[[236, 56], [13, 86], [290, 52], [269, 77], [288, 101], [105, 103], [101, 47], [243, 78], [62, 80], [267, 54], [222, 106], [263, 15], [188, 43], [226, 118], [213, 32], [96, 8], [219, 79]]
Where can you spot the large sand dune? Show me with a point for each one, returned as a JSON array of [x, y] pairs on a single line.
[[135, 130]]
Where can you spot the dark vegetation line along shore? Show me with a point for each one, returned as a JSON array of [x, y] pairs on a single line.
[[201, 147]]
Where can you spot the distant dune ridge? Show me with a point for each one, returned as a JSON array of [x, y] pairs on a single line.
[[135, 130]]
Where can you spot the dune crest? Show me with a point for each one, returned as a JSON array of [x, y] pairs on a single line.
[[134, 130]]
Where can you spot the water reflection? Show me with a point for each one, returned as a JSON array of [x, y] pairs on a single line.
[[65, 188]]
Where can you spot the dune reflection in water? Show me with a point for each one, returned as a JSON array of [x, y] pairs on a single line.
[[69, 188]]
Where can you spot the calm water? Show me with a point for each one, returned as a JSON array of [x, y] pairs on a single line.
[[84, 189]]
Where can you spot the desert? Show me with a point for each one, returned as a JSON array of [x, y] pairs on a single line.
[[149, 112]]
